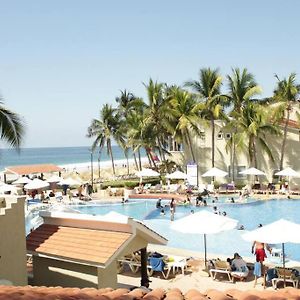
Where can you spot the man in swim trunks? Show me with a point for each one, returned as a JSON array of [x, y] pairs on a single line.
[[260, 252]]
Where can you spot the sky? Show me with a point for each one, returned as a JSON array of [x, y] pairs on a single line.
[[61, 60]]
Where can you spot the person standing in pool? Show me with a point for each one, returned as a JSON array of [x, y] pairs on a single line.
[[172, 208]]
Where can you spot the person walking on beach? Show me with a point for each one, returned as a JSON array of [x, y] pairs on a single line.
[[172, 208]]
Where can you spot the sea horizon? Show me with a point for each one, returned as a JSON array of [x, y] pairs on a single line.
[[57, 155]]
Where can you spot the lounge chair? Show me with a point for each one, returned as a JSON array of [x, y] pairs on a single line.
[[221, 267], [157, 264], [289, 277], [132, 260]]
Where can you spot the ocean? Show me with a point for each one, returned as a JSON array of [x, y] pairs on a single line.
[[56, 155]]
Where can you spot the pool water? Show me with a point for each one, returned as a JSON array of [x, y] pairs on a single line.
[[249, 214]]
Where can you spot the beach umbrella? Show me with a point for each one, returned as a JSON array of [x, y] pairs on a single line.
[[204, 222], [22, 180], [147, 173], [289, 172], [215, 172], [4, 188], [278, 232], [36, 184], [54, 179], [177, 175], [252, 171], [69, 181]]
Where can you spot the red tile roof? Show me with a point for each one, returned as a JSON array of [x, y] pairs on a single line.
[[291, 123], [33, 169], [91, 246], [58, 293]]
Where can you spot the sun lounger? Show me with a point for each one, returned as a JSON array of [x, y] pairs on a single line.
[[221, 267], [157, 264], [289, 277]]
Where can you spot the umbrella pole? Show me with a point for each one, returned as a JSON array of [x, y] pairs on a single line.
[[205, 252], [283, 264]]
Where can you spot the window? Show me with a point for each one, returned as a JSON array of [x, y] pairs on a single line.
[[220, 135], [228, 136]]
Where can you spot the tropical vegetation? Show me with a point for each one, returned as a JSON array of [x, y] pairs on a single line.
[[178, 115]]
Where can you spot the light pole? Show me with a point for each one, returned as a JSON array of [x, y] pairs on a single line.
[[92, 173]]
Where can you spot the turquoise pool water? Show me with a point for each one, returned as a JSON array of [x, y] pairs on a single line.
[[249, 214]]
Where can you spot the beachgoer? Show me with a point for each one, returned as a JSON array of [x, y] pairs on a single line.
[[232, 200], [239, 267], [51, 194], [80, 189], [204, 203], [42, 196], [172, 208], [215, 210], [162, 212], [241, 227], [192, 211], [258, 249], [199, 200], [158, 203], [224, 213]]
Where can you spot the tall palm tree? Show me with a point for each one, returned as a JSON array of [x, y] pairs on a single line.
[[157, 111], [105, 129], [12, 127], [127, 103], [253, 124], [208, 91], [184, 117], [242, 90], [286, 93]]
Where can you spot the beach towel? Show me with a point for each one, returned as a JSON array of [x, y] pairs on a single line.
[[271, 273], [257, 269], [157, 263]]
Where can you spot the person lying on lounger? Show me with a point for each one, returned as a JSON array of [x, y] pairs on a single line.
[[239, 267]]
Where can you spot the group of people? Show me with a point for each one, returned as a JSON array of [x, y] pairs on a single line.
[[162, 208]]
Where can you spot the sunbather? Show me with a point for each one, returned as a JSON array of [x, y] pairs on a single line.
[[239, 267]]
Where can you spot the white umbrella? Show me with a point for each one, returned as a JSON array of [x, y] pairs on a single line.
[[22, 180], [36, 184], [147, 173], [288, 172], [215, 172], [176, 175], [69, 181], [54, 178], [8, 188], [252, 171], [204, 222], [281, 231]]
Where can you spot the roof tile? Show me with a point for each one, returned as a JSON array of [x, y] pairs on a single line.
[[79, 244]]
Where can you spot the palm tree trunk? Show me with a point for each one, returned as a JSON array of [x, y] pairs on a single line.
[[99, 159], [152, 162], [111, 156], [127, 159], [140, 161], [190, 145], [284, 137], [135, 161], [212, 142], [148, 156]]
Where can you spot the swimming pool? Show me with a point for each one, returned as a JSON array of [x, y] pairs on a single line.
[[249, 214]]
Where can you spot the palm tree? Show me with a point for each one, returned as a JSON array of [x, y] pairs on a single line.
[[12, 127], [286, 93], [253, 124], [156, 113], [127, 103], [242, 90], [105, 129], [184, 117], [208, 90]]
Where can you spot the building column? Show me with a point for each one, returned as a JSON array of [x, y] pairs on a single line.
[[108, 277], [144, 274]]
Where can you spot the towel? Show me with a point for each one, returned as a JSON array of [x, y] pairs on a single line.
[[157, 263], [257, 269]]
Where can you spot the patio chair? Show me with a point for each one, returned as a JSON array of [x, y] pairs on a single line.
[[157, 264], [289, 277], [133, 261], [221, 267]]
